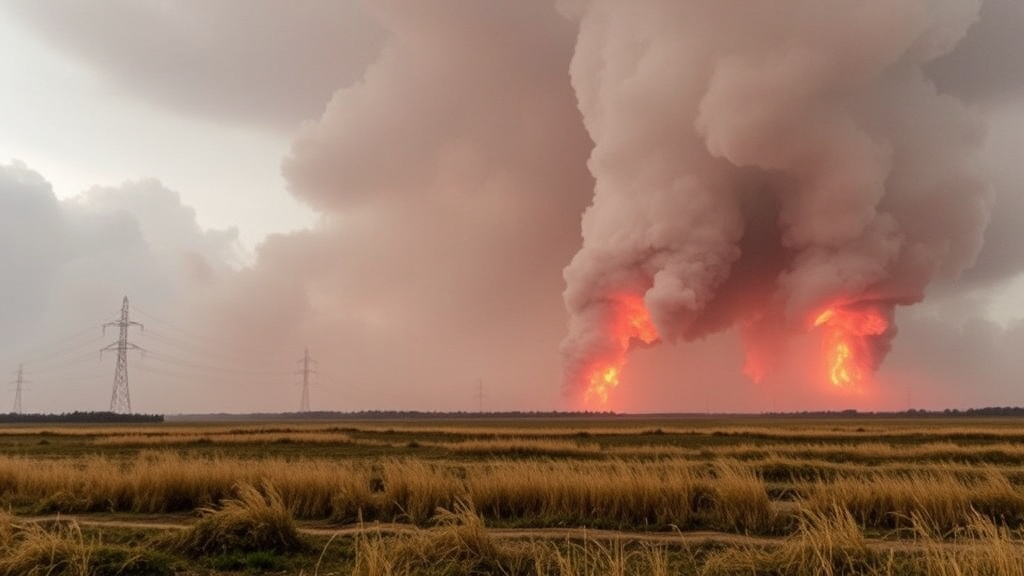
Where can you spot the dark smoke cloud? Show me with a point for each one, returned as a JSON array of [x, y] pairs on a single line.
[[698, 110], [450, 182]]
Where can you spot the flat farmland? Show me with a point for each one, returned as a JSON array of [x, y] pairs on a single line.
[[548, 495]]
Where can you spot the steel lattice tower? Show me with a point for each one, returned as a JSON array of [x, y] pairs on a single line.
[[306, 368], [17, 389], [120, 398]]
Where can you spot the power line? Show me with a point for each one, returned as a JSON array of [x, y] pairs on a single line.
[[63, 364], [120, 397], [181, 346], [194, 377], [188, 364], [192, 336], [55, 346]]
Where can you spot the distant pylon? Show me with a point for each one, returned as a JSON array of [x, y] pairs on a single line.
[[307, 367], [120, 398], [17, 389]]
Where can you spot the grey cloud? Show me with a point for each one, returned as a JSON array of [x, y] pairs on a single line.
[[986, 66], [264, 62], [68, 263]]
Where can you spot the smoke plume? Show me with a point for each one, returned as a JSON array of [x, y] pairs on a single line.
[[781, 167]]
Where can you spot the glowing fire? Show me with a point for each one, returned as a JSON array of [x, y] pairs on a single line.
[[602, 381], [846, 342], [630, 323]]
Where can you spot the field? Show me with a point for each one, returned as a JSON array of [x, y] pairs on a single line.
[[547, 496]]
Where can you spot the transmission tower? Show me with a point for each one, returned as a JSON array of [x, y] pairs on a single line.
[[307, 366], [120, 398], [480, 395], [18, 382]]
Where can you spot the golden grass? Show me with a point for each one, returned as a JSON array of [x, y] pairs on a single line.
[[518, 446], [931, 451], [855, 441], [892, 500], [984, 549], [949, 497], [831, 543], [623, 493], [461, 545], [724, 494], [31, 550], [222, 438], [255, 520], [610, 493], [826, 543]]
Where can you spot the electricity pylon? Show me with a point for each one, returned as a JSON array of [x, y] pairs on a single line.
[[306, 367], [120, 398], [17, 389]]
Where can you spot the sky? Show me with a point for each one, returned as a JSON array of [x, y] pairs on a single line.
[[451, 204]]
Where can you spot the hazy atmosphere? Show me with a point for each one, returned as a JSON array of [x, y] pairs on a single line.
[[664, 206]]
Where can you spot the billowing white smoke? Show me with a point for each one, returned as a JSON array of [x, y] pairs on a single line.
[[759, 163]]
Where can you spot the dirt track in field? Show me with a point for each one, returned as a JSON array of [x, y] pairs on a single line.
[[148, 522], [677, 538]]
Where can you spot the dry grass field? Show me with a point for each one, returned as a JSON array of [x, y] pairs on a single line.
[[545, 496]]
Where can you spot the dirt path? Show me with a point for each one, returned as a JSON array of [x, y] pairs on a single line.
[[691, 538], [317, 529]]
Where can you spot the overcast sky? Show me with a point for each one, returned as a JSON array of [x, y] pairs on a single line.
[[401, 186]]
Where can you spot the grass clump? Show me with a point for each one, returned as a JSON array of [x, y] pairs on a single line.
[[827, 543], [982, 548], [33, 549], [60, 548], [740, 502], [460, 545], [253, 521]]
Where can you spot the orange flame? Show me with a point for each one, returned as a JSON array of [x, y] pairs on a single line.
[[847, 355], [602, 382], [630, 323]]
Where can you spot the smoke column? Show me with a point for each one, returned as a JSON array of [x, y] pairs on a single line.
[[782, 167]]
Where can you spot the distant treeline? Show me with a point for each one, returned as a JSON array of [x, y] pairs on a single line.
[[80, 417], [384, 415], [991, 411], [1009, 411]]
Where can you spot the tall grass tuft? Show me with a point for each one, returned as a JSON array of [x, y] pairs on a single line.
[[740, 502], [460, 545], [254, 521], [415, 489], [34, 550], [827, 543], [983, 548]]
